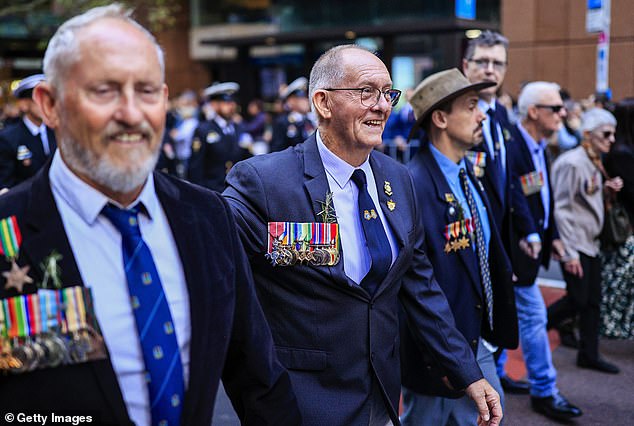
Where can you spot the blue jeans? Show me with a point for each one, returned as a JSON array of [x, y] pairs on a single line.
[[425, 410], [532, 318]]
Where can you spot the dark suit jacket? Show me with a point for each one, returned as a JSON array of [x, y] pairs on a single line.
[[500, 195], [521, 163], [229, 333], [458, 274], [334, 337], [213, 155], [289, 133], [12, 170]]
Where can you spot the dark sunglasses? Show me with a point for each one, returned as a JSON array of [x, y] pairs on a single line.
[[553, 108], [607, 134]]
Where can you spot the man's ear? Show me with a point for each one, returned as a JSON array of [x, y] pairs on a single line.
[[465, 64], [532, 112], [439, 119], [44, 97], [322, 104]]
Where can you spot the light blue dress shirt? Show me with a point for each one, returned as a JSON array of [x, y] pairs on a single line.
[[41, 130], [538, 155], [96, 246], [356, 256], [451, 171]]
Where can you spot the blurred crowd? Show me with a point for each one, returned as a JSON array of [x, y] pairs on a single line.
[[207, 133]]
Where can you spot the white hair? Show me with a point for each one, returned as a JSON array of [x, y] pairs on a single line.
[[328, 70], [532, 93], [63, 49], [595, 118]]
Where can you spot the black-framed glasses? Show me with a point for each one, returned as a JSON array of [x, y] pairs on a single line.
[[484, 64], [553, 108], [370, 96]]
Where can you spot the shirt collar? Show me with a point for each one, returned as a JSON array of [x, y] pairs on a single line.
[[34, 129], [448, 167], [88, 202], [485, 106], [533, 145], [338, 169]]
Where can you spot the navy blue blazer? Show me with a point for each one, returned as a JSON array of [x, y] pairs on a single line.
[[458, 274], [332, 335], [213, 154], [229, 335], [14, 169], [521, 163]]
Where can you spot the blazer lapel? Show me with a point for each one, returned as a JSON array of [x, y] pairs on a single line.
[[181, 218], [44, 224], [467, 256]]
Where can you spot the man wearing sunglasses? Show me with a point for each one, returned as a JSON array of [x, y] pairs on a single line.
[[335, 321], [578, 191], [541, 111]]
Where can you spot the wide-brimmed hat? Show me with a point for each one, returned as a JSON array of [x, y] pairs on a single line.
[[25, 87], [222, 91], [439, 88]]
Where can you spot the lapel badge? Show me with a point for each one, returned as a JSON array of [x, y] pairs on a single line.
[[391, 205], [387, 187], [212, 137], [452, 211], [366, 215], [23, 153], [506, 134], [449, 197], [373, 214], [196, 145]]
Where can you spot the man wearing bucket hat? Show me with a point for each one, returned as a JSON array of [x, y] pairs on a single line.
[[463, 245], [216, 145], [295, 125], [26, 145]]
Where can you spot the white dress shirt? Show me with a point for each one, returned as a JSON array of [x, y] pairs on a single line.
[[356, 256], [96, 245], [41, 130], [486, 131]]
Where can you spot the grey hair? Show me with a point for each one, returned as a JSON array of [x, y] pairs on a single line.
[[531, 94], [328, 70], [595, 118], [63, 49], [487, 38]]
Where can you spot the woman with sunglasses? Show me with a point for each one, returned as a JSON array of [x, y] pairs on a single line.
[[578, 186]]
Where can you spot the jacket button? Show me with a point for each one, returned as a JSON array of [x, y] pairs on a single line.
[[474, 342], [478, 306]]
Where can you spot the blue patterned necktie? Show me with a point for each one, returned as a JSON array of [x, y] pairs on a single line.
[[376, 240], [164, 371], [483, 262]]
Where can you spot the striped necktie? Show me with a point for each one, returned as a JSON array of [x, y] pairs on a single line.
[[164, 371], [483, 261]]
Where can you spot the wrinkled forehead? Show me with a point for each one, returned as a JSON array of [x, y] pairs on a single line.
[[363, 68]]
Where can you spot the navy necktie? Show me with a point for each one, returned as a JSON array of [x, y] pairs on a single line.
[[483, 261], [376, 240], [164, 371], [495, 138]]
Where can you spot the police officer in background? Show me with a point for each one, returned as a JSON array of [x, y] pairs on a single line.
[[26, 145], [296, 124], [219, 142]]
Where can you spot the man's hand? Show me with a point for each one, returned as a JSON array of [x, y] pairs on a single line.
[[615, 184], [487, 401], [531, 249], [574, 267], [559, 251]]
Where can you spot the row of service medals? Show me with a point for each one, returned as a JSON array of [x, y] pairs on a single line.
[[48, 328], [312, 243]]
